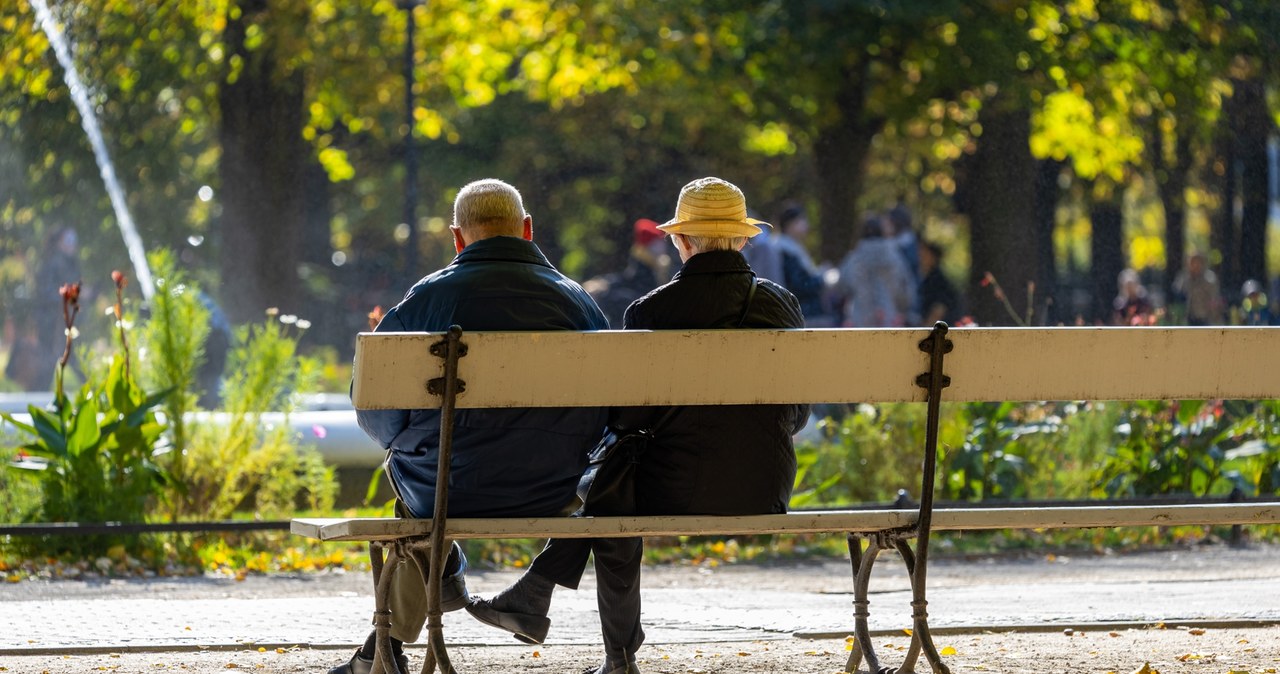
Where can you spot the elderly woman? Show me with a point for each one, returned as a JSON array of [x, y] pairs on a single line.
[[708, 460]]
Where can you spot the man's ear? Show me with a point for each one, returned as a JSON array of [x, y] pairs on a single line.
[[458, 242], [528, 228]]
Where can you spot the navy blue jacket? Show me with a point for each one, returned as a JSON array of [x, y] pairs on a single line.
[[506, 462]]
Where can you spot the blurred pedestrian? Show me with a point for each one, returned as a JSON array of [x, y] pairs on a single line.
[[1254, 307], [938, 298], [1132, 305], [647, 267], [38, 344], [1197, 287], [875, 281], [799, 274]]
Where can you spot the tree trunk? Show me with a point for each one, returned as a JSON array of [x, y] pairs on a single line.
[[1000, 199], [1222, 226], [840, 155], [1252, 128], [1047, 193], [1171, 183], [263, 157], [1106, 252]]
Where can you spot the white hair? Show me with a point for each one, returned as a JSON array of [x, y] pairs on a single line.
[[702, 244], [489, 207]]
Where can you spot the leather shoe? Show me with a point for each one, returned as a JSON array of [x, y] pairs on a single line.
[[359, 665], [527, 627], [453, 587], [629, 668]]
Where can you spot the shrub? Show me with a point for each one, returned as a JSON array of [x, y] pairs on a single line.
[[95, 447], [231, 459]]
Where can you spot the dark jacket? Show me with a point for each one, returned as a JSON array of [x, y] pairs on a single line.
[[715, 459], [506, 462]]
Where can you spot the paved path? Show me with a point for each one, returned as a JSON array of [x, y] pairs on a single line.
[[682, 604]]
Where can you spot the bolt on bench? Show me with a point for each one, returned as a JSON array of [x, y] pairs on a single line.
[[733, 367]]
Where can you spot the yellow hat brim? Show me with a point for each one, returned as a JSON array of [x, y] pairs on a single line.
[[714, 228]]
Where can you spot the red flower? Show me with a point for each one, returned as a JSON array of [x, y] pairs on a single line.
[[119, 278], [70, 292], [987, 279]]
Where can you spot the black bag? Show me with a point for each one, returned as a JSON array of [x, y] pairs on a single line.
[[608, 487]]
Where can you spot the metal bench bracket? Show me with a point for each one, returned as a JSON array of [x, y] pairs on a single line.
[[937, 346]]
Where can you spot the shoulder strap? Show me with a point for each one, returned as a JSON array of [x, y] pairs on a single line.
[[746, 306]]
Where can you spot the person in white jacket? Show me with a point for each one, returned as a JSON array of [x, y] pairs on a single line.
[[875, 281]]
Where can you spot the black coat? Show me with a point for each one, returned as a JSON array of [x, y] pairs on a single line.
[[715, 459]]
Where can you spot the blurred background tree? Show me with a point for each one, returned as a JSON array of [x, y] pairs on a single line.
[[1046, 141]]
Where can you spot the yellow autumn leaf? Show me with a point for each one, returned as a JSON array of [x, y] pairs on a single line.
[[947, 650], [1146, 669], [743, 654], [1196, 631]]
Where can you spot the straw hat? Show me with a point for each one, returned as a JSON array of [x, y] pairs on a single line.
[[712, 207]]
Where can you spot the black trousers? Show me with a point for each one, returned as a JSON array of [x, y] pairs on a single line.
[[617, 564]]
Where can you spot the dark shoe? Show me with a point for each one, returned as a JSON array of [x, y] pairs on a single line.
[[528, 627], [629, 668], [453, 587], [359, 665]]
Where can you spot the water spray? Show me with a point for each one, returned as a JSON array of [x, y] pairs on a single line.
[[89, 120]]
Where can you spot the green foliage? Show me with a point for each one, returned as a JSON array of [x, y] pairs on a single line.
[[246, 455], [173, 340], [97, 446], [1191, 447], [1047, 451], [868, 455], [19, 492]]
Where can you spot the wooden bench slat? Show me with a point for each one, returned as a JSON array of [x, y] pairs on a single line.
[[857, 521], [550, 369]]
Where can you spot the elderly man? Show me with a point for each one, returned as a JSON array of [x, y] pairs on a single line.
[[505, 461], [709, 460]]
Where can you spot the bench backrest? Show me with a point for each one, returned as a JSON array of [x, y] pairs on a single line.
[[705, 367]]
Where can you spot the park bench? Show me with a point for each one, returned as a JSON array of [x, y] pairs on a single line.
[[614, 368]]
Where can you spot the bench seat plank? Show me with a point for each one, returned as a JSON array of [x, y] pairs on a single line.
[[856, 521], [611, 368]]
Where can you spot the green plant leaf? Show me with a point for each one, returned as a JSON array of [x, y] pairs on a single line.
[[85, 434], [49, 428], [139, 415], [25, 428]]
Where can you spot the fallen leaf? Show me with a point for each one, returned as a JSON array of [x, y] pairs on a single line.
[[1113, 634], [280, 650], [906, 631], [1197, 631], [1243, 641], [947, 650], [1146, 669], [537, 654], [743, 654], [262, 649]]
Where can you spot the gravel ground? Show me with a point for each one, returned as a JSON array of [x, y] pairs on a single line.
[[1219, 609], [1167, 651]]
